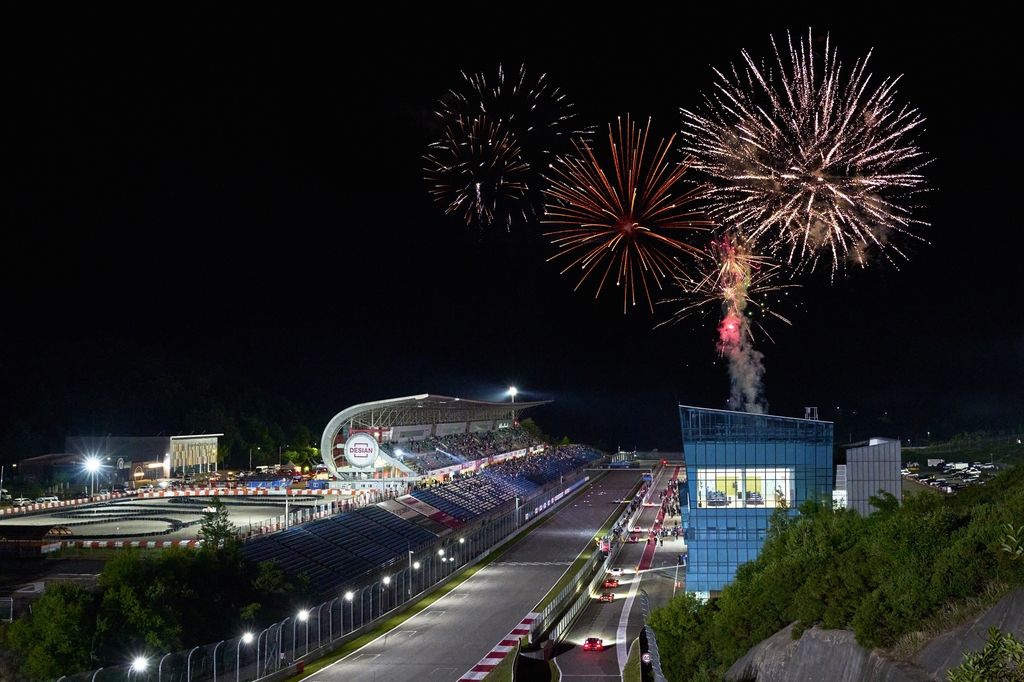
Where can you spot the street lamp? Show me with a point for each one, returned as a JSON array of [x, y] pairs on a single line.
[[351, 612], [303, 615], [139, 665], [92, 465], [244, 639], [512, 392]]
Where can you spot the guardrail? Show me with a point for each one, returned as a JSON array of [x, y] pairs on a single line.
[[557, 616], [283, 648]]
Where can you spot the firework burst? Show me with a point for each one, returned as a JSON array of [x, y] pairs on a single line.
[[526, 114], [807, 160], [728, 277], [477, 171], [618, 218], [536, 113]]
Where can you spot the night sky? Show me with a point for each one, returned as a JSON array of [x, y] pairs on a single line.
[[248, 193]]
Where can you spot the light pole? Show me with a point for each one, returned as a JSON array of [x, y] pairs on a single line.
[[258, 638], [139, 665], [512, 392], [160, 668], [351, 614], [387, 583], [188, 665], [416, 567], [215, 659], [92, 465], [409, 586], [244, 639], [330, 619], [303, 616], [280, 642]]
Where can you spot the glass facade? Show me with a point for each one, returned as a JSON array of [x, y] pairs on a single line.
[[740, 467]]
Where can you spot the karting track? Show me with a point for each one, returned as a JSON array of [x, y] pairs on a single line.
[[446, 641]]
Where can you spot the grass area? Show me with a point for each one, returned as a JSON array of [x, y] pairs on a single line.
[[631, 673], [953, 614], [503, 671], [422, 604]]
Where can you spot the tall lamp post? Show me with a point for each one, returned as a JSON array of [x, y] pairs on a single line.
[[139, 665], [512, 392], [408, 584], [303, 616], [244, 639], [351, 614], [92, 465]]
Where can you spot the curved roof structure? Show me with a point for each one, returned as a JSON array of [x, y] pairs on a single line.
[[426, 408]]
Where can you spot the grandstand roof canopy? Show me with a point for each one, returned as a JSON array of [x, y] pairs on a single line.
[[428, 409], [415, 410]]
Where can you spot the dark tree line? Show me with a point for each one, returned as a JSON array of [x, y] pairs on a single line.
[[125, 390], [176, 600], [884, 576]]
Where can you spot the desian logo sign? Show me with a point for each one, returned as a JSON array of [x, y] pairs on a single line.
[[361, 449]]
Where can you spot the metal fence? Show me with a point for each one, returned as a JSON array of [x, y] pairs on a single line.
[[556, 619], [314, 631]]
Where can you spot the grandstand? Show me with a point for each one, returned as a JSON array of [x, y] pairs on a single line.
[[392, 445], [342, 551]]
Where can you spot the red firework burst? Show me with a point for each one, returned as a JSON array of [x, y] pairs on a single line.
[[619, 219]]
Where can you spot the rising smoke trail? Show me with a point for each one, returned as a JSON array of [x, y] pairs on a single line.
[[745, 367], [735, 340], [730, 280]]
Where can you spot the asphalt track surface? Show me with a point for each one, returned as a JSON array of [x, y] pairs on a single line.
[[618, 623], [447, 639]]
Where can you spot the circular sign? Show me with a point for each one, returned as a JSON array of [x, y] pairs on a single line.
[[646, 658], [120, 463], [361, 450]]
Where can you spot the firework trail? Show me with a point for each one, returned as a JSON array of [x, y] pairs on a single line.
[[618, 213], [477, 170], [729, 279], [809, 161], [530, 115]]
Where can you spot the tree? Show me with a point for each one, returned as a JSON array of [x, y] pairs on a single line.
[[217, 530], [1002, 660], [55, 639]]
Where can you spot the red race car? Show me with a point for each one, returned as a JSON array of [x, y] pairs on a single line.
[[593, 644], [607, 596], [611, 582]]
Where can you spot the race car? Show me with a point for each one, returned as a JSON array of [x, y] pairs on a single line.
[[593, 644], [607, 596], [611, 582]]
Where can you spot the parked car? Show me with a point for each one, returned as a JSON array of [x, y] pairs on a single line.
[[21, 502], [47, 499]]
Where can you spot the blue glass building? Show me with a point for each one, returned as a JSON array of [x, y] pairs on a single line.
[[739, 467]]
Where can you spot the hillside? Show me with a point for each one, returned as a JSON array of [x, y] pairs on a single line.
[[917, 567]]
